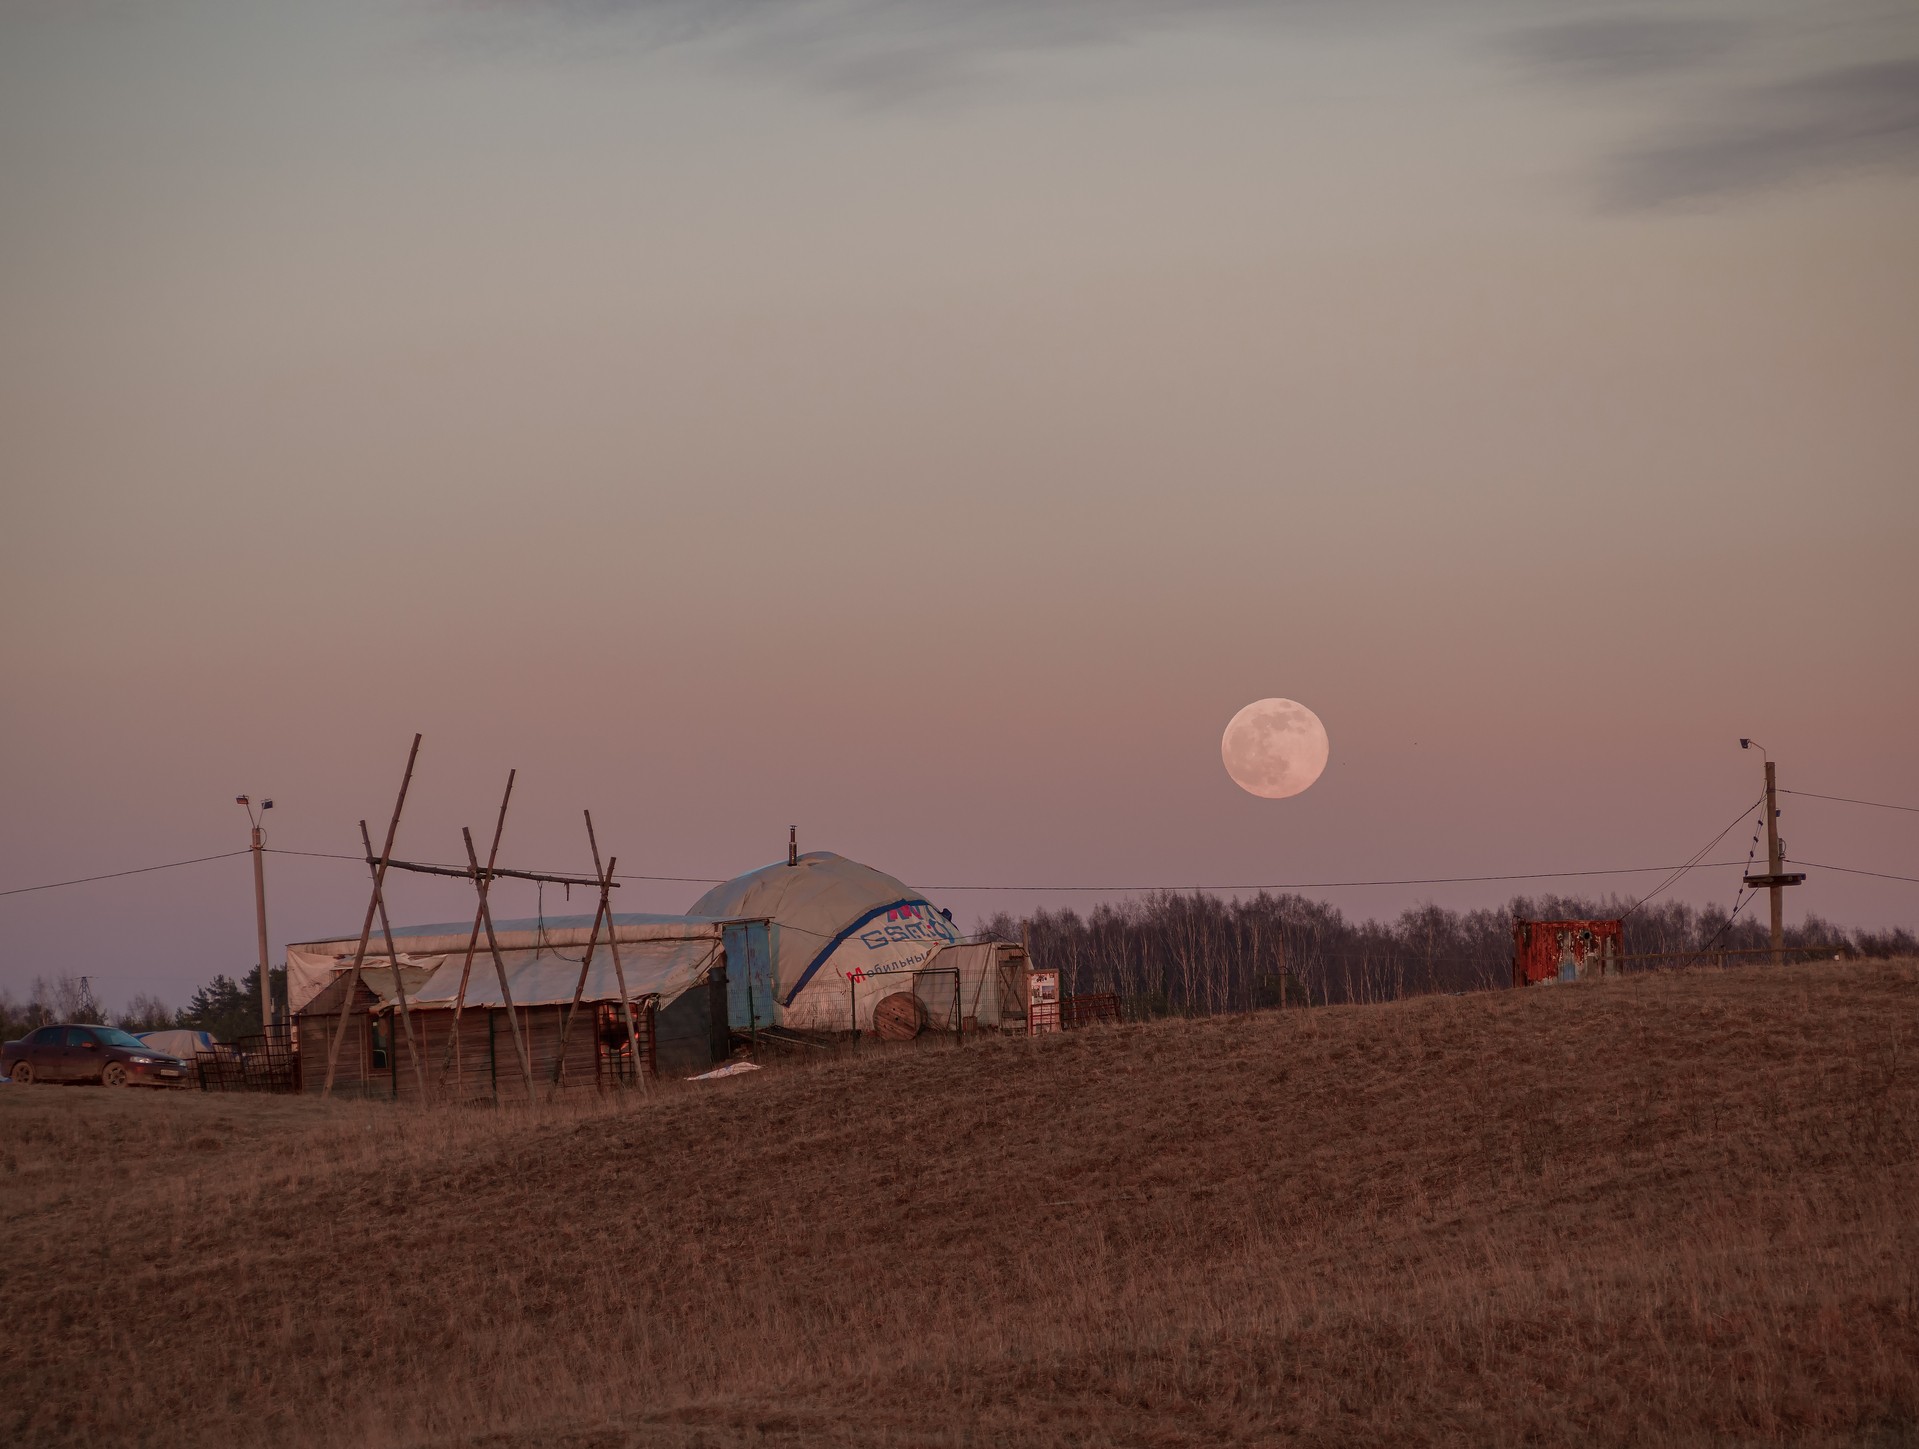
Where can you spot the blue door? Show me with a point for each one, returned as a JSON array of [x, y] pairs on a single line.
[[749, 976]]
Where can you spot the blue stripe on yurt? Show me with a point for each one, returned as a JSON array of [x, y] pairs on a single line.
[[834, 944]]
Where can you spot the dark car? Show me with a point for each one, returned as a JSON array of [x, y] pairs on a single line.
[[81, 1053]]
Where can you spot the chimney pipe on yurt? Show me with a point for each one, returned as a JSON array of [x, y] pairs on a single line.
[[792, 845]]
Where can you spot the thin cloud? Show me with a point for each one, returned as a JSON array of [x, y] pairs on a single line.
[[888, 51], [1718, 141], [1839, 121], [1624, 47]]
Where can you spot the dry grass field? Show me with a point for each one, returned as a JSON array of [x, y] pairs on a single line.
[[1665, 1210]]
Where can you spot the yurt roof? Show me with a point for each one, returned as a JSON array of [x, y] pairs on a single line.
[[816, 903]]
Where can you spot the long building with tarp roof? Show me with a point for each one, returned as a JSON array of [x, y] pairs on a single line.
[[813, 945]]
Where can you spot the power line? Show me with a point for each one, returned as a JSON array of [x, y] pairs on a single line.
[[1309, 885], [1692, 863], [316, 854], [1741, 899], [1848, 800], [1142, 889], [1321, 885], [1849, 870], [54, 885], [464, 870]]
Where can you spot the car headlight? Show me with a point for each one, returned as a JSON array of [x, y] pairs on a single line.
[[143, 1061]]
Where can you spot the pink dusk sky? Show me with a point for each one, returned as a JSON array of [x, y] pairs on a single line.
[[927, 423]]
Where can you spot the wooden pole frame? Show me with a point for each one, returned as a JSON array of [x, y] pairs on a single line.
[[604, 912], [413, 1054], [454, 1061], [482, 879], [501, 872], [499, 967], [366, 928], [619, 971]]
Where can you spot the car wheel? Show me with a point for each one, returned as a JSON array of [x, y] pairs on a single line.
[[115, 1075], [22, 1074]]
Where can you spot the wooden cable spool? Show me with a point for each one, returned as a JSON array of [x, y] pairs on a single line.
[[899, 1017]]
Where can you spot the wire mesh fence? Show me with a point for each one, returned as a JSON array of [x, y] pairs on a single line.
[[614, 1062], [264, 1062], [1089, 1008]]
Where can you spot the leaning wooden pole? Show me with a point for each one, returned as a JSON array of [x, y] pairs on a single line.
[[604, 911], [453, 1060], [366, 927], [499, 966], [619, 971], [416, 1055]]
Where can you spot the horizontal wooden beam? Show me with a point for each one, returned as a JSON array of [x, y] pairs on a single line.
[[497, 870]]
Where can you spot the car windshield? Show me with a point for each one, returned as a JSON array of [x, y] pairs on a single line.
[[113, 1036]]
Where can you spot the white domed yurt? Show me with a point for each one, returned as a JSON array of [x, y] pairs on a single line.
[[841, 937]]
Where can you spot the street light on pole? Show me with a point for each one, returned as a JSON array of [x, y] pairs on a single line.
[[260, 900]]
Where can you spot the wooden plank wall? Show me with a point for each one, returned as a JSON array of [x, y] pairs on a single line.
[[491, 1071], [354, 1075], [469, 1075], [484, 1066]]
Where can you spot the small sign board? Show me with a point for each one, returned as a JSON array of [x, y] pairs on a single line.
[[1042, 1002]]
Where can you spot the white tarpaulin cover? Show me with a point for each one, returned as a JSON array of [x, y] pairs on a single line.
[[835, 922], [962, 981], [662, 956], [967, 977], [665, 969], [180, 1043], [308, 974], [450, 938]]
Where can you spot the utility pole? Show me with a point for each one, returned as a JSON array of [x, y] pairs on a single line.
[[260, 903], [1775, 879], [1772, 863]]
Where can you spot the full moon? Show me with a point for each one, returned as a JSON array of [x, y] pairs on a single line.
[[1274, 748]]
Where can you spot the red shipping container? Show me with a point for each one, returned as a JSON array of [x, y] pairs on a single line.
[[1550, 951]]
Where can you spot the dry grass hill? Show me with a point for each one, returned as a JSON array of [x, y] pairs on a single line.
[[1665, 1210]]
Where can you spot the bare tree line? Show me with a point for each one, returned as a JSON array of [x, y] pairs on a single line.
[[1198, 954], [226, 1006], [1170, 953]]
